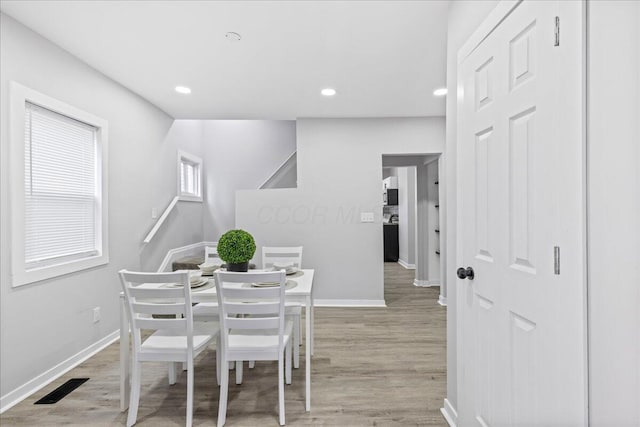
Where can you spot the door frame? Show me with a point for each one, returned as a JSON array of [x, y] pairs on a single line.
[[418, 160], [502, 10]]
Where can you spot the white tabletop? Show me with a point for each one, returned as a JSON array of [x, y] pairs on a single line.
[[303, 279]]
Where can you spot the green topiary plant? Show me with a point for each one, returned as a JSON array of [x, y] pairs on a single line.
[[236, 247]]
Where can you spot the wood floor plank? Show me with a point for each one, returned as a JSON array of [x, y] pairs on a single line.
[[372, 367]]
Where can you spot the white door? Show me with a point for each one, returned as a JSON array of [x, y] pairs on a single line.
[[522, 330]]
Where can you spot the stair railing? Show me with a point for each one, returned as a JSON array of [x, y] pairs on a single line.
[[161, 220]]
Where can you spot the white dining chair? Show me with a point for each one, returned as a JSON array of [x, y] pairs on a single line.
[[208, 311], [211, 255], [161, 302], [282, 256], [249, 338]]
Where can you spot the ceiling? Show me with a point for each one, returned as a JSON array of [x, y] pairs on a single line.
[[384, 58]]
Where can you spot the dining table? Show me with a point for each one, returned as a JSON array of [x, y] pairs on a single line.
[[299, 290]]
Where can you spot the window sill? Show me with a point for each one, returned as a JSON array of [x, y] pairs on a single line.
[[188, 198], [25, 277]]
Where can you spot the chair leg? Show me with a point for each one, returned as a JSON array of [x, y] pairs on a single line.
[[134, 399], [287, 363], [172, 373], [280, 391], [224, 388], [296, 343], [239, 367], [189, 393], [218, 359]]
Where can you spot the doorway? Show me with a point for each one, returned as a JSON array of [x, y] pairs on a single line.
[[412, 226]]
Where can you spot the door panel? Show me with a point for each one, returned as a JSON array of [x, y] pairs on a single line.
[[521, 185], [520, 141]]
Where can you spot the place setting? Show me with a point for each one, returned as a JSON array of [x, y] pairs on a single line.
[[289, 284], [208, 269], [290, 269], [195, 280]]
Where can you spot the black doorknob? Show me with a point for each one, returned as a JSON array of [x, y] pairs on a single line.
[[466, 273]]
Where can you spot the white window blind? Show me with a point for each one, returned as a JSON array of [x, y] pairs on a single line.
[[188, 183], [190, 177], [61, 188]]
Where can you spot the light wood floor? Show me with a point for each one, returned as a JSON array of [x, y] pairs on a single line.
[[372, 367]]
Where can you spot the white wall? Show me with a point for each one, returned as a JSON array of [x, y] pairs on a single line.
[[614, 212], [433, 223], [407, 215], [424, 231], [238, 155], [45, 323], [464, 18], [323, 214], [184, 223]]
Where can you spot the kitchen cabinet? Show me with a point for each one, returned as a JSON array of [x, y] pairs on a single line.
[[390, 197], [390, 191], [391, 244], [390, 182]]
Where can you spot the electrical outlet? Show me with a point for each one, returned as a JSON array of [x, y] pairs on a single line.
[[96, 314], [154, 213], [366, 216]]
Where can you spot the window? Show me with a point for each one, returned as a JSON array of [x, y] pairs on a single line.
[[58, 161], [189, 177]]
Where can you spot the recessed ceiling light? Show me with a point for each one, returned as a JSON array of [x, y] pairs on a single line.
[[183, 89], [328, 91], [233, 37], [440, 92]]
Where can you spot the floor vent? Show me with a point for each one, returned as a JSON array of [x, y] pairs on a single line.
[[59, 393]]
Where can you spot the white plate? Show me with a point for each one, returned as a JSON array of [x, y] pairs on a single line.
[[287, 270], [289, 284], [208, 267], [199, 283], [265, 285]]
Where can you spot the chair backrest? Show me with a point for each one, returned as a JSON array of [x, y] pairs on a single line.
[[281, 255], [166, 295], [238, 297], [211, 255]]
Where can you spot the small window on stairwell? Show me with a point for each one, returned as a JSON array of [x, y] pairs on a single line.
[[189, 177]]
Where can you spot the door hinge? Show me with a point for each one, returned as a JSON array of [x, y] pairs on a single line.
[[556, 260], [557, 42]]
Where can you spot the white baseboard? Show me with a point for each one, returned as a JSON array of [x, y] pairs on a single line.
[[425, 283], [349, 303], [406, 264], [16, 396], [442, 300], [449, 413]]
